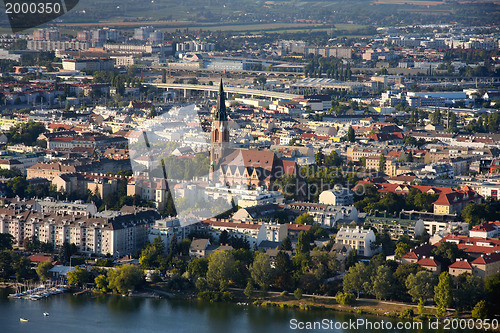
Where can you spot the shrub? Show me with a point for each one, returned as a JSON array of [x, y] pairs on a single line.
[[345, 298], [298, 293], [480, 311], [407, 314]]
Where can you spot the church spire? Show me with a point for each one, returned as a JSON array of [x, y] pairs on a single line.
[[220, 113]]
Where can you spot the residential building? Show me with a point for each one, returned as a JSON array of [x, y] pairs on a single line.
[[454, 202], [486, 265], [105, 233], [460, 266], [359, 239], [337, 197]]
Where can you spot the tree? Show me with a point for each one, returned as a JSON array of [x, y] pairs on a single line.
[[172, 247], [448, 252], [43, 270], [382, 282], [170, 207], [421, 285], [298, 293], [66, 251], [283, 272], [352, 259], [452, 123], [7, 260], [436, 117], [384, 239], [402, 248], [152, 112], [79, 276], [381, 163], [333, 159], [492, 287], [469, 290], [475, 213], [261, 270], [303, 243], [221, 269], [198, 267], [324, 265], [101, 283], [480, 311], [22, 268], [351, 137], [345, 298], [304, 219], [6, 241], [261, 80], [149, 257], [443, 294], [355, 278], [125, 278], [319, 157], [17, 186], [286, 244], [224, 237], [249, 289]]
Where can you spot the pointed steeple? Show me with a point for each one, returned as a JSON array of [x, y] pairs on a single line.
[[220, 113]]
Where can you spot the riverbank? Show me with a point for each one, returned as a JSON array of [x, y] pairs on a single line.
[[309, 302], [360, 306], [272, 299]]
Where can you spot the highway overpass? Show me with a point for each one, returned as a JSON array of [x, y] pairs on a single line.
[[213, 90]]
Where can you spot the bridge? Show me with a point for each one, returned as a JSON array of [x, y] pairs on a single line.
[[213, 90]]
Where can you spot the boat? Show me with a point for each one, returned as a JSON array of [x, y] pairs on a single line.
[[46, 314], [23, 320]]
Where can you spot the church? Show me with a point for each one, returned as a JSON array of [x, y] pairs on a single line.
[[229, 166]]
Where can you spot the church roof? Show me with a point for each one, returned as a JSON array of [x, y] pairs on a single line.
[[221, 113], [251, 158]]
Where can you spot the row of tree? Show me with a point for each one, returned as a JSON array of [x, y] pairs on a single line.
[[393, 202], [405, 282]]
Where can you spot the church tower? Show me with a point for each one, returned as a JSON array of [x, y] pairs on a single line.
[[220, 130]]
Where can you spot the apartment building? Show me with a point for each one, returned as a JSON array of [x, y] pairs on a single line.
[[112, 233], [359, 239]]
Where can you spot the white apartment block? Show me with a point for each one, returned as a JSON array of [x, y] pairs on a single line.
[[359, 239]]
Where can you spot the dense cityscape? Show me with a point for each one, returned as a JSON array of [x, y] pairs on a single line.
[[353, 168]]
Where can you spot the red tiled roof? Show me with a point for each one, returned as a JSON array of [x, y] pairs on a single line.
[[475, 245], [484, 227], [464, 195], [461, 264], [56, 126], [487, 259], [39, 258], [299, 227], [62, 139], [290, 167], [428, 262], [398, 188], [410, 255]]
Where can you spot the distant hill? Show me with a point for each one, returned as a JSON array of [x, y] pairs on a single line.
[[375, 12]]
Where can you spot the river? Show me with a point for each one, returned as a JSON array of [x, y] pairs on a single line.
[[110, 314]]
